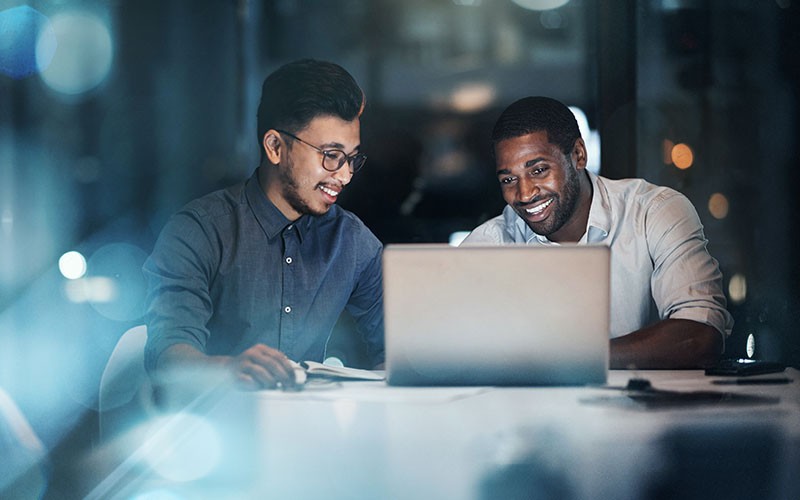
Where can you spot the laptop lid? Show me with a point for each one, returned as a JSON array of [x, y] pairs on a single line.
[[496, 315]]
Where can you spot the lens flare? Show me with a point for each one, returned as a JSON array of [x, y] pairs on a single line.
[[186, 447]]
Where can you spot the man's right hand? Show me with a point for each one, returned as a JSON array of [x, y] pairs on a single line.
[[262, 367], [259, 367]]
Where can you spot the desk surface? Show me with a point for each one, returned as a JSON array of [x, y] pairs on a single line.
[[368, 440]]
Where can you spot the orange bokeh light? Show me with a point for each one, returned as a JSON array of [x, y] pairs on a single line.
[[682, 156]]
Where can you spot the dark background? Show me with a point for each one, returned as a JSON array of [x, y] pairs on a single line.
[[99, 170]]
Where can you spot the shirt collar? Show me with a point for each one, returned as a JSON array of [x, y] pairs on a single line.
[[271, 220], [599, 223], [597, 226]]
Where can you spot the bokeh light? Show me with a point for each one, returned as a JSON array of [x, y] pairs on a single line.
[[540, 4], [83, 57], [472, 97], [737, 288], [750, 345], [72, 265], [333, 361], [22, 31], [718, 205], [682, 156], [457, 237]]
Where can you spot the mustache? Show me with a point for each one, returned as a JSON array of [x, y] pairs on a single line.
[[534, 201]]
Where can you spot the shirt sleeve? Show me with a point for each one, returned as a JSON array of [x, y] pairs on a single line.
[[178, 273], [686, 282], [366, 301]]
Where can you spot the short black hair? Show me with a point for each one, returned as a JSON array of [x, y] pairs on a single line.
[[534, 114], [302, 90]]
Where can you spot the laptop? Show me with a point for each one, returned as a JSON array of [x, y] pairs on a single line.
[[496, 315]]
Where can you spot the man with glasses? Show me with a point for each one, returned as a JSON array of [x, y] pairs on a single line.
[[256, 275]]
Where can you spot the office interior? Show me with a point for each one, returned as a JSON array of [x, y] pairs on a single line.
[[115, 114]]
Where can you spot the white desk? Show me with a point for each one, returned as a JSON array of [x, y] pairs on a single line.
[[367, 440]]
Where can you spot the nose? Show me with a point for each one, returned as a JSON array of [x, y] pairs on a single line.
[[527, 190], [344, 174]]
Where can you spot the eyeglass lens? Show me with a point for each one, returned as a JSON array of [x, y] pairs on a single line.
[[334, 159]]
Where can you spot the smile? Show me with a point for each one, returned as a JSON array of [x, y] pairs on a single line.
[[329, 191], [539, 208]]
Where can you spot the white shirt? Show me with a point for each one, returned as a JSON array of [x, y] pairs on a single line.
[[660, 267]]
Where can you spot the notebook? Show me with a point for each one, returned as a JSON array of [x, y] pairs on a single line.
[[496, 315]]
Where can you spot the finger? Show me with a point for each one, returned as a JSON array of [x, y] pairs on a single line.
[[259, 373], [276, 363]]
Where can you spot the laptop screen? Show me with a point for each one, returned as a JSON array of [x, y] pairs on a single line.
[[496, 315]]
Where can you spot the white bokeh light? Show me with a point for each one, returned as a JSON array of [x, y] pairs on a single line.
[[72, 265], [82, 57], [540, 4]]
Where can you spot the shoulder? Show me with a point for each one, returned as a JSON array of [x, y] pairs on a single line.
[[493, 231], [347, 225], [217, 203], [644, 196]]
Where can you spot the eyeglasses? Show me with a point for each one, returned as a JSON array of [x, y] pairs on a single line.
[[334, 159]]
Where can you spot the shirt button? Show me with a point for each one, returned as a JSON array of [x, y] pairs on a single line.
[[287, 309], [288, 260], [289, 227]]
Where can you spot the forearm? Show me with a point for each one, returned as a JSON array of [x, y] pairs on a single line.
[[185, 355], [668, 344]]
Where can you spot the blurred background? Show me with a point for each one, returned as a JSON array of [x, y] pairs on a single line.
[[115, 113]]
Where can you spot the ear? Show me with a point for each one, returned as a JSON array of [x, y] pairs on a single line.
[[272, 145], [579, 153]]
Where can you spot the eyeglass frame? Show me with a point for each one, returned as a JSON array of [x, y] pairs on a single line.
[[349, 159]]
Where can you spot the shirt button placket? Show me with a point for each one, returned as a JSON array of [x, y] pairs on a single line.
[[287, 327]]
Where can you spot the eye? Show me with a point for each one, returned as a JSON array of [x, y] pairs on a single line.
[[539, 170], [507, 180], [333, 154]]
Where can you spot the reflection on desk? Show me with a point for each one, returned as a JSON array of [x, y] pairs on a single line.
[[369, 440]]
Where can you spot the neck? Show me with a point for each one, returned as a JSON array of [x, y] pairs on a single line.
[[575, 227], [267, 174]]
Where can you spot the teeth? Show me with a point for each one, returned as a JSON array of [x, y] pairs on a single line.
[[538, 208], [329, 191]]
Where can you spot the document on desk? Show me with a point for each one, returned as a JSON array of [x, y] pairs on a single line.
[[313, 369]]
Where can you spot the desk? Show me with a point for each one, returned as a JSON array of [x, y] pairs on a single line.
[[368, 440]]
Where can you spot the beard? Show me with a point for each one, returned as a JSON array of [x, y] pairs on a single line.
[[565, 204], [291, 192]]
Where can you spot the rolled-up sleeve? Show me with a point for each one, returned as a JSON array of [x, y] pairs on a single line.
[[178, 272], [686, 282], [366, 301]]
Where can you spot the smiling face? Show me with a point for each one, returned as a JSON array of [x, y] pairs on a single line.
[[295, 180], [548, 189]]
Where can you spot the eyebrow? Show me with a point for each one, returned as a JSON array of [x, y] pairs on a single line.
[[339, 146], [528, 164]]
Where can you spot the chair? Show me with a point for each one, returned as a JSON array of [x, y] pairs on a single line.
[[125, 390]]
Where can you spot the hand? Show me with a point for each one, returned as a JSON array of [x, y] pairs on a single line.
[[262, 367]]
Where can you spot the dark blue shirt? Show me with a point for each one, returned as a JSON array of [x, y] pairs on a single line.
[[230, 271]]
